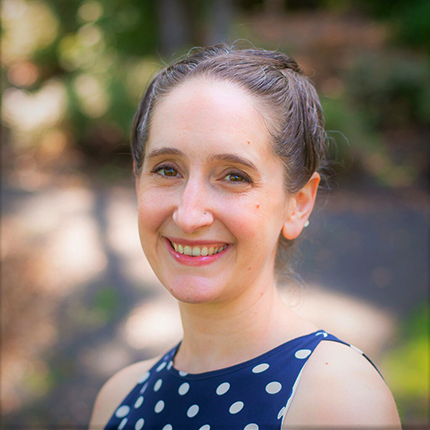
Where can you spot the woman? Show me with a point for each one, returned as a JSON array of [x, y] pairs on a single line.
[[227, 147]]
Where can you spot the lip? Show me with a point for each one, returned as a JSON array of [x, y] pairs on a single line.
[[195, 261]]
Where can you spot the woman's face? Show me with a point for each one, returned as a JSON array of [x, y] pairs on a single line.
[[211, 197]]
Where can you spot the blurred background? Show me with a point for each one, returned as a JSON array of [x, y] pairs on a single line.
[[79, 301]]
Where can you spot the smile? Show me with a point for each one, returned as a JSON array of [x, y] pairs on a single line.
[[197, 251]]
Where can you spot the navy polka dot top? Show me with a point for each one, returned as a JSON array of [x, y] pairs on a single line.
[[254, 395]]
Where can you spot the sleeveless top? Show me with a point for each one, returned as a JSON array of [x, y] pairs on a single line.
[[254, 395]]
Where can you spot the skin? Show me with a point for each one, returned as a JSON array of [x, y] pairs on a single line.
[[210, 177]]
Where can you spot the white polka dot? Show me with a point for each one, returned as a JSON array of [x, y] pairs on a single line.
[[144, 388], [122, 424], [139, 424], [161, 366], [205, 427], [169, 366], [139, 402], [273, 387], [167, 427], [236, 407], [222, 388], [321, 333], [158, 384], [183, 389], [181, 373], [251, 427], [192, 411], [302, 353], [282, 413], [144, 377], [260, 368], [159, 407], [122, 411]]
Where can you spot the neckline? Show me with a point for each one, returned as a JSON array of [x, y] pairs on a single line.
[[230, 369]]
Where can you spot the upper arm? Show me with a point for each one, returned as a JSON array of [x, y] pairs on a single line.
[[340, 388], [114, 391]]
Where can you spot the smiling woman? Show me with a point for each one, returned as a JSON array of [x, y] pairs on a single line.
[[228, 146]]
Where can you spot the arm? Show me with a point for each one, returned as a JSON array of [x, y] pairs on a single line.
[[115, 390], [340, 388]]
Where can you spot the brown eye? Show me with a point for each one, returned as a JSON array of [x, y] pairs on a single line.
[[167, 171], [237, 177]]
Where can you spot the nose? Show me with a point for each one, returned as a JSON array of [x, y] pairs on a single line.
[[192, 211]]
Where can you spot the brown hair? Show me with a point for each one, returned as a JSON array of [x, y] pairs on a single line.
[[287, 100]]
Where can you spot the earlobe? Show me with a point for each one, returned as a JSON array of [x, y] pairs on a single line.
[[301, 206]]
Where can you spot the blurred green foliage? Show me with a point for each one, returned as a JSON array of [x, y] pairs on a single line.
[[107, 302], [394, 90], [382, 116], [100, 54], [84, 64], [409, 20], [407, 366]]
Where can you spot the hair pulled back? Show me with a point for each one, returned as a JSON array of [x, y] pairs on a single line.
[[284, 96]]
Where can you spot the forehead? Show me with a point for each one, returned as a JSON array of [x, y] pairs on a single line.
[[211, 112]]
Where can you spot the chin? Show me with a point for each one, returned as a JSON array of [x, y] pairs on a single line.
[[193, 291]]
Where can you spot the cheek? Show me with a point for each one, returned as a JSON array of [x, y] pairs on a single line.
[[152, 211], [255, 221], [268, 216]]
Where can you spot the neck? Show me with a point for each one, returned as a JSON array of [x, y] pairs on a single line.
[[218, 335]]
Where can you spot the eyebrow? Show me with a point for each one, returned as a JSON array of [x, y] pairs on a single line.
[[232, 158], [164, 151]]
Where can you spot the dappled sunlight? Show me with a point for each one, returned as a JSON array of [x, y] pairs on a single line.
[[155, 325], [140, 71], [28, 113], [75, 252], [92, 95], [43, 213], [90, 11], [63, 221], [65, 251], [50, 248], [123, 237], [105, 359], [82, 50], [26, 173], [23, 74], [27, 26], [351, 319]]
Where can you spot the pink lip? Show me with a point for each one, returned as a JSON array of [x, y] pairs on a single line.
[[195, 261]]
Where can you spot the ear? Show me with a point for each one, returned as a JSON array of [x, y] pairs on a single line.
[[300, 208]]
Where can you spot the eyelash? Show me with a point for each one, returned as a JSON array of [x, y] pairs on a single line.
[[158, 169], [245, 178]]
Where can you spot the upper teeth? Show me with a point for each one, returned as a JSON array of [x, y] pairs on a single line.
[[197, 251]]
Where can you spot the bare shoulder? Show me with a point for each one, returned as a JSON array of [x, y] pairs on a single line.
[[115, 390], [340, 388]]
